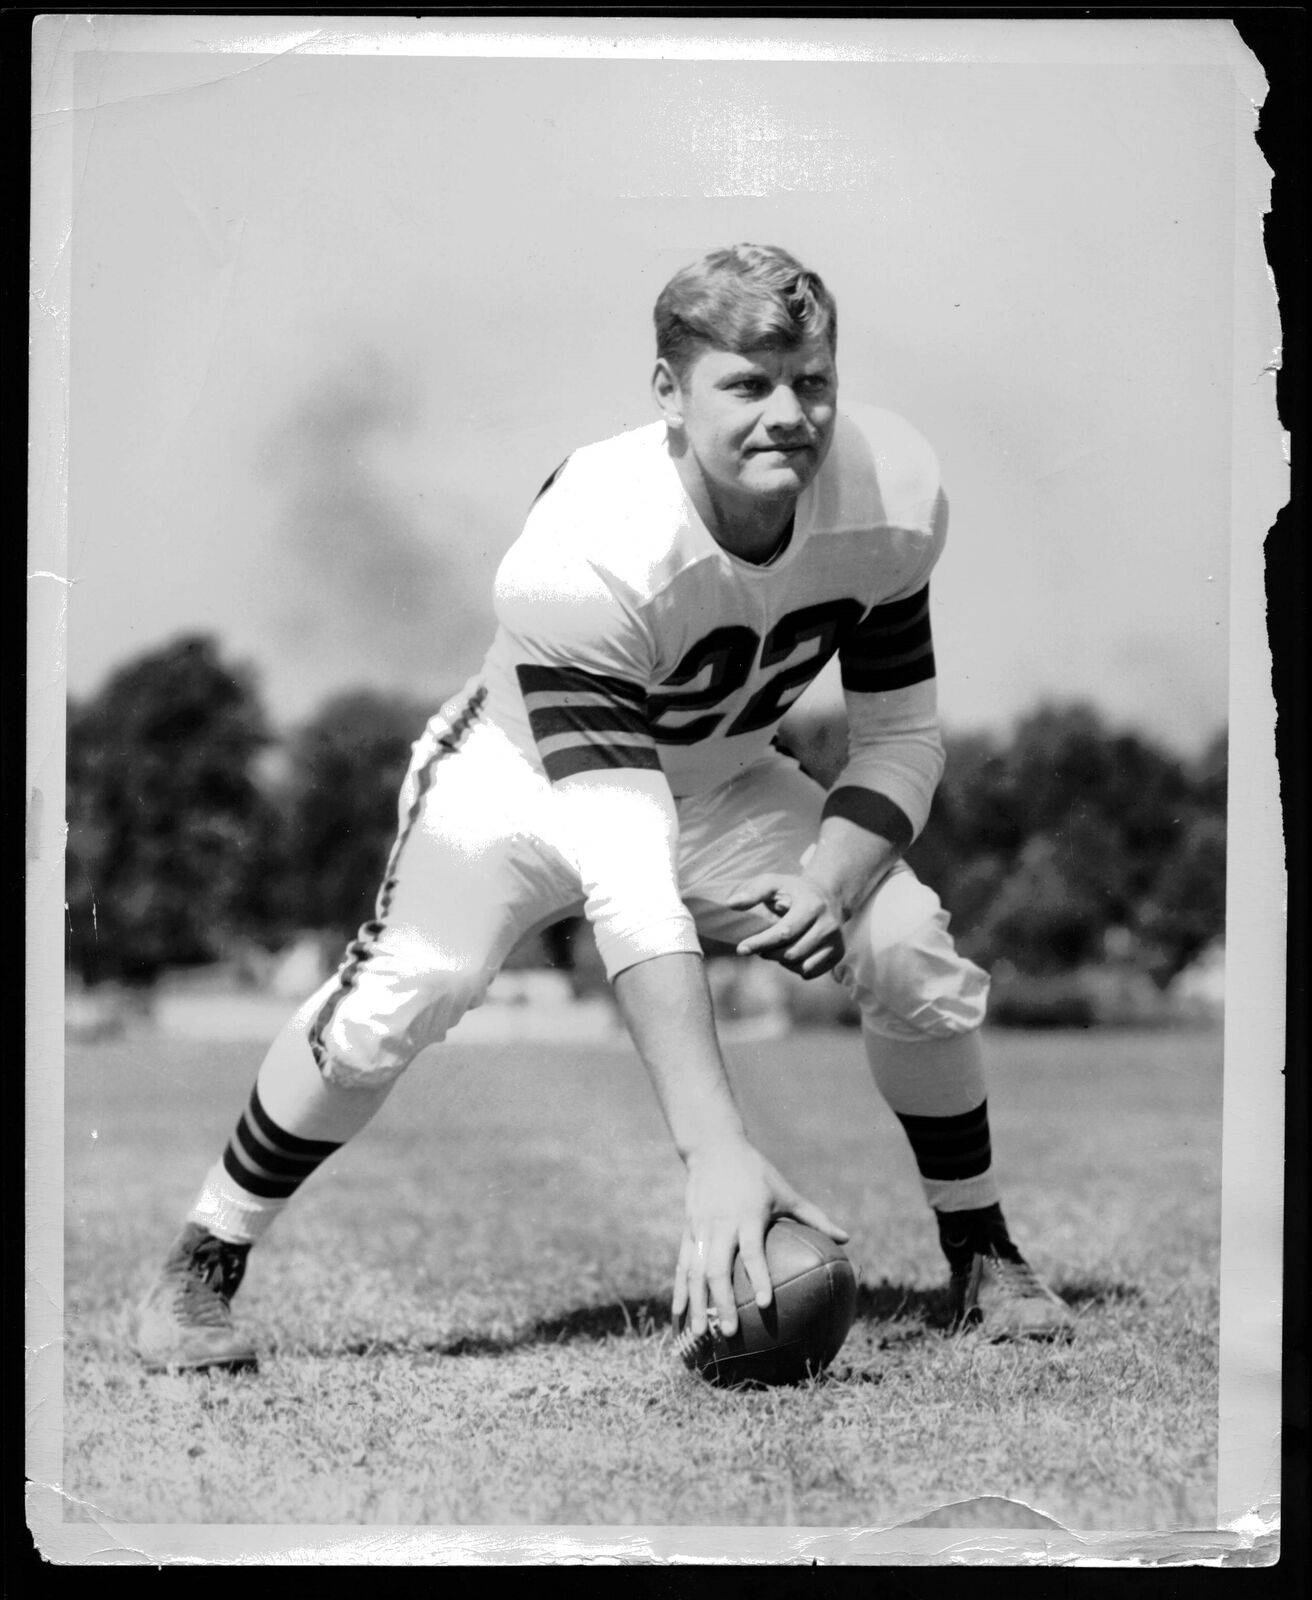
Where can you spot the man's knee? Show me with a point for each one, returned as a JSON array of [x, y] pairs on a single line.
[[373, 1021], [906, 973]]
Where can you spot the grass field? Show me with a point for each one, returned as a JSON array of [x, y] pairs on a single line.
[[463, 1316]]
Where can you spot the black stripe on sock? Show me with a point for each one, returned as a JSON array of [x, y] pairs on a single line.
[[297, 1168], [950, 1148], [287, 1143], [266, 1188], [266, 1160]]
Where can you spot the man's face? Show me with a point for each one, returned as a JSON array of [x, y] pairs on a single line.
[[757, 424]]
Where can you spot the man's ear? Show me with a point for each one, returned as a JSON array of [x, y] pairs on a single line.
[[668, 394]]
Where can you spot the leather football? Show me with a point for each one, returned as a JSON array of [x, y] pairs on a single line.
[[802, 1329]]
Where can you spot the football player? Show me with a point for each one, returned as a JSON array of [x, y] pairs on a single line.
[[673, 592]]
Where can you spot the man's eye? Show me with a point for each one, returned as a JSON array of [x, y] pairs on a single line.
[[814, 385]]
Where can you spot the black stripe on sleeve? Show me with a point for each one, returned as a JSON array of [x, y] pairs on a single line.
[[599, 758], [874, 812], [892, 647], [573, 680], [553, 720], [586, 721]]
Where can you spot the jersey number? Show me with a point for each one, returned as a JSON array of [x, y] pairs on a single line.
[[729, 655]]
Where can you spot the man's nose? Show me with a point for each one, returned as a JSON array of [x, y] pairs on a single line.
[[783, 411]]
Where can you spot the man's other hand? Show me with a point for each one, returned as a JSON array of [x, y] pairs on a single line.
[[808, 937]]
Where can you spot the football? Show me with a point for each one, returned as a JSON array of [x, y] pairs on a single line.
[[802, 1329]]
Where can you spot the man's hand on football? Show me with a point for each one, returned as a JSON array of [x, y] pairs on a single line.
[[808, 937], [733, 1195]]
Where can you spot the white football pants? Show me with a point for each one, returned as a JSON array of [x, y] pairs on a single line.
[[479, 864]]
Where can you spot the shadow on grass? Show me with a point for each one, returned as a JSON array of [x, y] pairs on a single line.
[[894, 1302], [593, 1323], [1097, 1292], [643, 1318], [909, 1310]]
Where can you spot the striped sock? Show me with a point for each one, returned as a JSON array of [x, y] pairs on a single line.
[[262, 1168], [937, 1089], [266, 1160], [950, 1148]]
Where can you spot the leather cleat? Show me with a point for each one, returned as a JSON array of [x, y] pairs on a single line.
[[185, 1323], [1002, 1297]]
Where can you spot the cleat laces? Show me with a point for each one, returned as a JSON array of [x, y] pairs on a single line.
[[1018, 1278], [208, 1272], [199, 1305]]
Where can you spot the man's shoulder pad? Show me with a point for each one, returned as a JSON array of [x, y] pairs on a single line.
[[881, 469]]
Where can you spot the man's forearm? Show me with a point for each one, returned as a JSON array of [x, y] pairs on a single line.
[[848, 861], [666, 1007]]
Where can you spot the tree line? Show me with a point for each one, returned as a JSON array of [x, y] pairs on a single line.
[[194, 833]]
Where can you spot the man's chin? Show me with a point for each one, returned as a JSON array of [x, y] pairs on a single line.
[[779, 475]]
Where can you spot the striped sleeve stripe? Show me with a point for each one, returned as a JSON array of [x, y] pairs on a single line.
[[598, 758], [586, 721], [873, 811], [552, 720], [891, 648], [557, 681]]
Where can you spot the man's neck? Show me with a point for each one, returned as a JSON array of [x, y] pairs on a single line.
[[754, 532]]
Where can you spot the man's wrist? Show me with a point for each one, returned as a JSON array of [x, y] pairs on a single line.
[[714, 1146], [833, 893]]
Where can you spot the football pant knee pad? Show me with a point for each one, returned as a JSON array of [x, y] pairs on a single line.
[[370, 1029], [917, 984]]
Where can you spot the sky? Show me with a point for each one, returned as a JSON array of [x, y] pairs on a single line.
[[334, 318]]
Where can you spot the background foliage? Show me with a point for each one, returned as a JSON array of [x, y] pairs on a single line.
[[1059, 845]]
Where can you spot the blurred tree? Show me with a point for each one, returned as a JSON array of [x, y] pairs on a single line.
[[1043, 919], [1043, 845], [346, 767], [164, 814], [1184, 910]]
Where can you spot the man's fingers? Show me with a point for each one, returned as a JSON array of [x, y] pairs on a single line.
[[697, 1295], [827, 952], [822, 961], [721, 1291], [758, 1273], [785, 932], [719, 1258], [811, 940], [680, 1298], [752, 893], [812, 1215], [762, 943]]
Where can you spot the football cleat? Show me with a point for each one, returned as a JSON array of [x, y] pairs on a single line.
[[185, 1324], [993, 1289]]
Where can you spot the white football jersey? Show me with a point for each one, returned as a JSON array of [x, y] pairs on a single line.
[[629, 638], [638, 660]]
